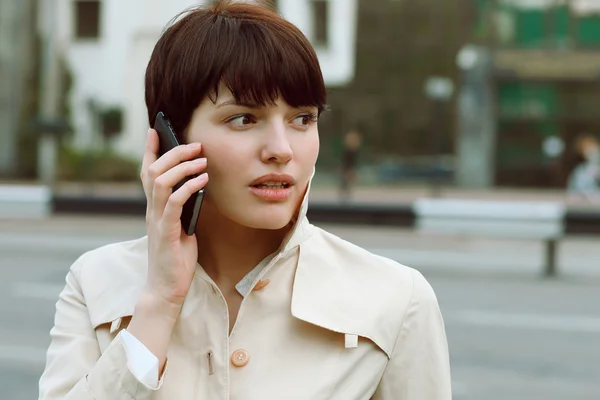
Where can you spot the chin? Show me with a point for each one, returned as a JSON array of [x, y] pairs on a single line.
[[272, 217]]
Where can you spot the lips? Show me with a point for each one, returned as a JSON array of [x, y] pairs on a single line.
[[273, 187]]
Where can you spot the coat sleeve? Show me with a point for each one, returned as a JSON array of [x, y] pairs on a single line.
[[75, 367], [419, 367]]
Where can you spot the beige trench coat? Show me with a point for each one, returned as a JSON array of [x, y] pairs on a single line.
[[300, 331]]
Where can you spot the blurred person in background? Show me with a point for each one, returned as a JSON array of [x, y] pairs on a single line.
[[585, 177], [348, 176], [258, 303]]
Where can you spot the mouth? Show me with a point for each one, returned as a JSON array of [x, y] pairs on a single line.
[[274, 181], [273, 187]]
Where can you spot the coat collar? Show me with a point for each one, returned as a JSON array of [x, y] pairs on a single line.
[[335, 285], [301, 229]]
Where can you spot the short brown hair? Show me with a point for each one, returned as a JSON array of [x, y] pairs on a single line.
[[254, 51]]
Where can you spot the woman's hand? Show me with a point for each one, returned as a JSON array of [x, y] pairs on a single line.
[[172, 255]]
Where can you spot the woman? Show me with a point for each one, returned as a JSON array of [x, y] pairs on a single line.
[[258, 304], [352, 143]]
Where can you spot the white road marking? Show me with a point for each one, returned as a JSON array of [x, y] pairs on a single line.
[[559, 323]]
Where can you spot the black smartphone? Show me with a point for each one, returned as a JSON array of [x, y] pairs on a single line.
[[168, 141]]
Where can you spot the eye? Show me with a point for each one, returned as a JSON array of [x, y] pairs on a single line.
[[241, 121], [306, 119]]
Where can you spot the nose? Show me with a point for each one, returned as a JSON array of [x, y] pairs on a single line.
[[277, 147]]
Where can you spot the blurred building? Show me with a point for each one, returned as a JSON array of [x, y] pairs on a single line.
[[511, 120], [529, 92]]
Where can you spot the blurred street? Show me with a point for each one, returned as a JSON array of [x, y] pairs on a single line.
[[513, 335]]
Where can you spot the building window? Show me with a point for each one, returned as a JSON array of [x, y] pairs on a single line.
[[87, 19], [320, 19]]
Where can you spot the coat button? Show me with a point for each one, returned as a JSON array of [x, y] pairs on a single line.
[[240, 357], [260, 285]]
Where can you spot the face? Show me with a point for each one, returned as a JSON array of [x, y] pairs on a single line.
[[590, 149], [260, 160]]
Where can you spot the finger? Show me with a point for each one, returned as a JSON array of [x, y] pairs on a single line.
[[169, 160], [174, 207], [151, 151], [150, 156], [174, 157], [164, 184]]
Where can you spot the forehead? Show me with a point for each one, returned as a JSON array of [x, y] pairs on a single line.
[[223, 96]]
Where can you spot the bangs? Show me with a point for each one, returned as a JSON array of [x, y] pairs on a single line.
[[259, 66]]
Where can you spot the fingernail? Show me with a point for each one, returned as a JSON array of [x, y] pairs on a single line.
[[194, 145], [200, 161]]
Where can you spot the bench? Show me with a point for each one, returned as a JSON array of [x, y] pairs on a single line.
[[544, 221], [25, 202]]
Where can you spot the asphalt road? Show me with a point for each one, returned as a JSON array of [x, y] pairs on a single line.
[[512, 334]]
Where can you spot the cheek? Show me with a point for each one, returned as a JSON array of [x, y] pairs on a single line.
[[308, 151], [225, 160]]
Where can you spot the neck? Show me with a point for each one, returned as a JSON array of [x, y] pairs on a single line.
[[228, 251]]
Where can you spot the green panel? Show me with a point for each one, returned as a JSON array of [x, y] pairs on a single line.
[[532, 25], [588, 31], [527, 100], [561, 24], [548, 129], [530, 28]]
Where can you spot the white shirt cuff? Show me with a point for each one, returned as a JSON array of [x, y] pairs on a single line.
[[140, 361]]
